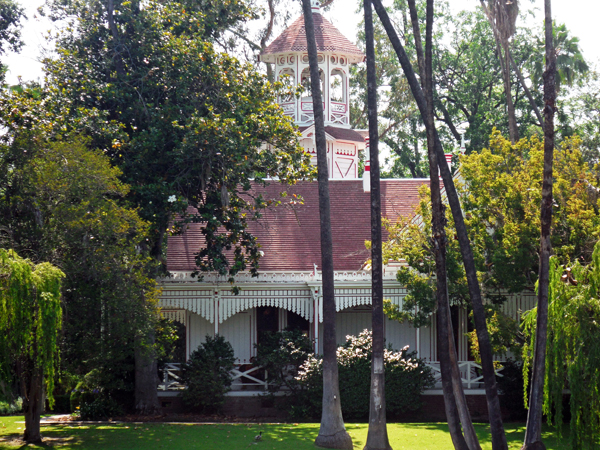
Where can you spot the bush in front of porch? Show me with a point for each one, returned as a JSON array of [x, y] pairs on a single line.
[[207, 375], [406, 378]]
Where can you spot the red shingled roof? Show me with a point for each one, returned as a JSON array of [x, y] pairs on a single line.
[[290, 235], [341, 134], [328, 37]]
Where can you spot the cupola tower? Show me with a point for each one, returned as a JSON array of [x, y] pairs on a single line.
[[288, 53]]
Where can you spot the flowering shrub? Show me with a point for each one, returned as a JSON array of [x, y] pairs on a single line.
[[405, 379]]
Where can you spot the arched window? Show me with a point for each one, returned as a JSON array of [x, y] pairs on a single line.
[[337, 87], [305, 82]]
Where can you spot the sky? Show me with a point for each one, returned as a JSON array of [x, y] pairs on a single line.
[[580, 16]]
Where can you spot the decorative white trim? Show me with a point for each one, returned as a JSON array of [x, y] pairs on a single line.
[[199, 301], [295, 300], [389, 274], [177, 315]]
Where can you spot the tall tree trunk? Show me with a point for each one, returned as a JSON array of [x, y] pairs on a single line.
[[32, 381], [503, 28], [454, 397], [377, 437], [146, 376], [533, 434], [332, 433], [489, 374], [513, 130]]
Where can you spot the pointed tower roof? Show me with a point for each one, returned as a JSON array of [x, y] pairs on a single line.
[[329, 39]]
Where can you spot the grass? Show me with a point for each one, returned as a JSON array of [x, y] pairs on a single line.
[[147, 436]]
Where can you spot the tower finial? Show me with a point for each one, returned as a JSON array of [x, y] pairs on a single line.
[[315, 6]]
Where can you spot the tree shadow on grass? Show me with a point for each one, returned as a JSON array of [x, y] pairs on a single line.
[[146, 436]]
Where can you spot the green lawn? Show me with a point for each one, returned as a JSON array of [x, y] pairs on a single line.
[[148, 436]]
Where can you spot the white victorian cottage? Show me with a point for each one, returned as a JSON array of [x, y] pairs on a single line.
[[288, 291]]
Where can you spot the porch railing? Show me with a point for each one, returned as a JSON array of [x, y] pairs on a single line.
[[171, 380], [245, 377], [252, 378], [470, 374]]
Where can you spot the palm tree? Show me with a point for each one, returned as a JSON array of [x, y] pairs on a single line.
[[570, 64], [498, 436], [332, 433], [377, 437], [533, 433], [502, 15]]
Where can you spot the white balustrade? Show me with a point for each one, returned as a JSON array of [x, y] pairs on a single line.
[[470, 374], [246, 377], [243, 377]]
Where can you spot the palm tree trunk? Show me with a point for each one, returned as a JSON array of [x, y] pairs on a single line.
[[454, 397], [498, 436], [332, 433], [513, 130], [533, 434], [377, 437]]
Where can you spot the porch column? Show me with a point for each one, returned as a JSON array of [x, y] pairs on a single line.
[[316, 295], [216, 299]]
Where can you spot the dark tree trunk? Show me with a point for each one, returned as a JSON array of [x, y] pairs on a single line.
[[533, 434], [489, 374], [32, 387], [454, 398], [455, 403], [146, 376], [502, 29], [332, 433], [377, 437], [513, 130]]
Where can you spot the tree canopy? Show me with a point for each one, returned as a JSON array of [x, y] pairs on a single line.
[[500, 194], [197, 124]]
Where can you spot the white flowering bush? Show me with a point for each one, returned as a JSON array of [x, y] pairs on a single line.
[[406, 377]]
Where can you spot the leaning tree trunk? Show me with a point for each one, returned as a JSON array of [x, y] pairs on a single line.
[[489, 374], [533, 434], [377, 437], [332, 433], [454, 397]]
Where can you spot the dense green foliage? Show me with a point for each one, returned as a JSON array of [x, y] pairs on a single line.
[[501, 193], [281, 354], [30, 320], [7, 408], [30, 324], [469, 94], [62, 202], [467, 79], [406, 376], [573, 355], [197, 124], [207, 375], [90, 400]]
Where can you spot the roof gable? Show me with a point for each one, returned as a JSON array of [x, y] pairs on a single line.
[[290, 234]]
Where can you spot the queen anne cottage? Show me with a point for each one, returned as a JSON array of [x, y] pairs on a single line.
[[287, 293]]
